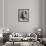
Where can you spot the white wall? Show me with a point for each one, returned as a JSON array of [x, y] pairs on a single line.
[[11, 14], [1, 15]]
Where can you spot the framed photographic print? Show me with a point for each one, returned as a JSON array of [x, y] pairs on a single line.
[[23, 15]]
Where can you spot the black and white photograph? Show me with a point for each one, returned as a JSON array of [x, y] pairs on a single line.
[[22, 22], [23, 15]]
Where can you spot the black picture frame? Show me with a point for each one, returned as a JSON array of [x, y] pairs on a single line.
[[23, 15]]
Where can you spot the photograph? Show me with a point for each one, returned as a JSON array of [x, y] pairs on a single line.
[[23, 15], [22, 22]]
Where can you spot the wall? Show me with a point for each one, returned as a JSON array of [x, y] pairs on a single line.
[[44, 18], [11, 15], [1, 15]]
